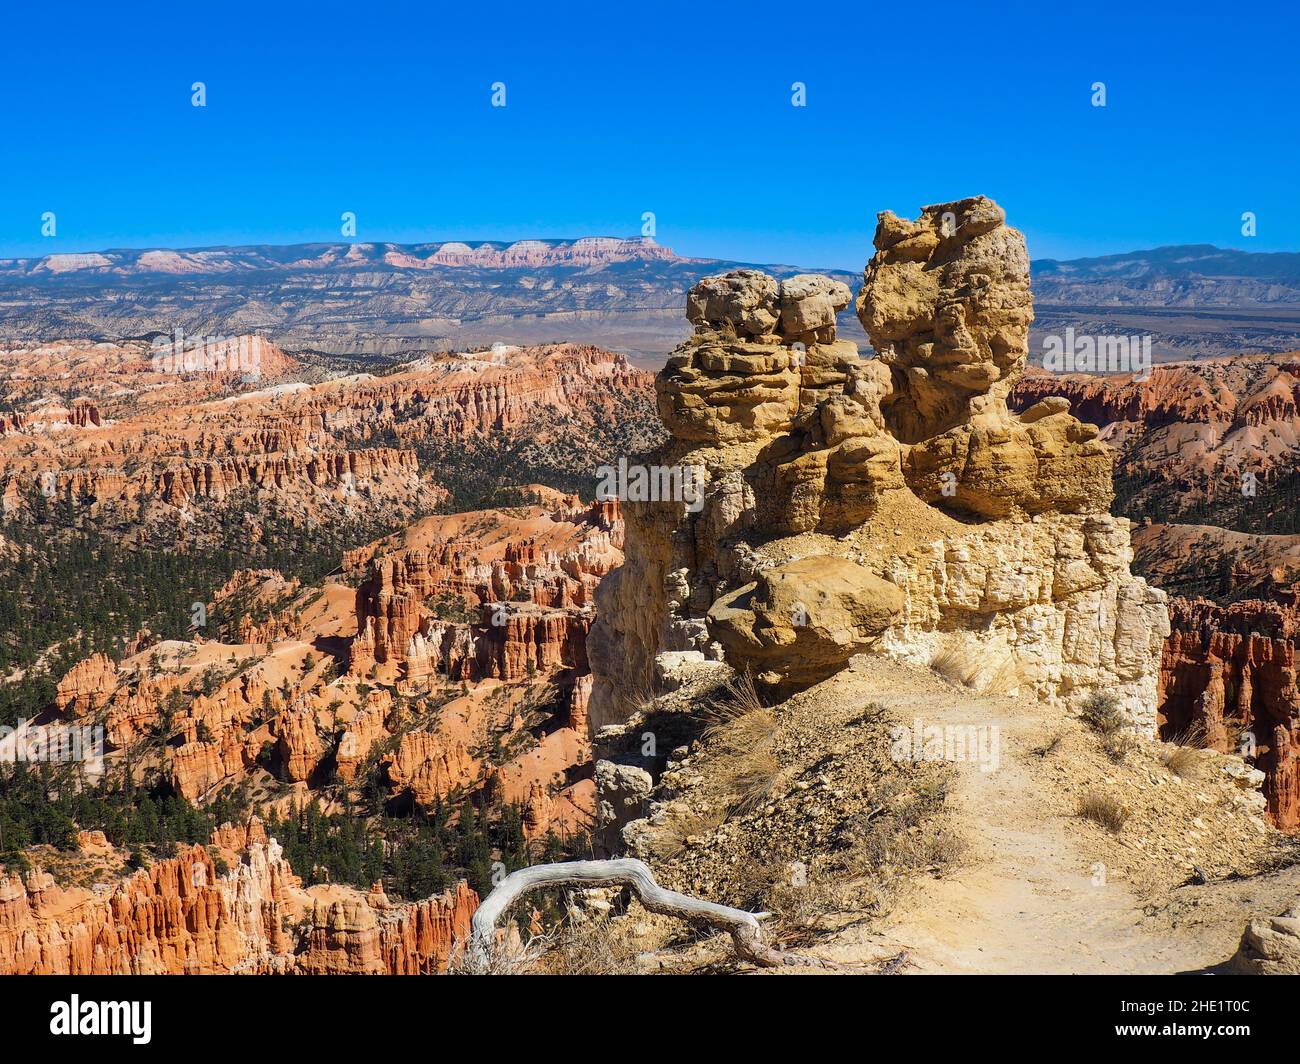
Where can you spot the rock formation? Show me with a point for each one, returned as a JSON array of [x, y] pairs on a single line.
[[181, 916], [467, 601], [87, 685], [159, 439], [1228, 679], [893, 505], [1216, 437], [474, 623], [1269, 946]]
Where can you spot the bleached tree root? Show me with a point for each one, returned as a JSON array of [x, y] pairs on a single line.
[[745, 928]]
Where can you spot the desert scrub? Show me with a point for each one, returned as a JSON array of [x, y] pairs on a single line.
[[594, 947], [749, 779], [679, 825], [736, 698], [1118, 744], [1104, 810], [1184, 756], [1102, 713], [1051, 746]]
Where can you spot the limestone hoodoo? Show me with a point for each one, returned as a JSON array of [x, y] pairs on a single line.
[[890, 505]]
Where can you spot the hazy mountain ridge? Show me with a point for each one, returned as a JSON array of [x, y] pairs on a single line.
[[375, 298], [1193, 300], [1203, 260], [384, 298]]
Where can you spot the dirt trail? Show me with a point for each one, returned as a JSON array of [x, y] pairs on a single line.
[[1026, 898]]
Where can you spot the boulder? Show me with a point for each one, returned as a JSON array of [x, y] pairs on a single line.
[[801, 622], [1270, 946]]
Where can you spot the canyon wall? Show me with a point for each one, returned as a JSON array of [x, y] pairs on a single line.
[[183, 917], [1194, 441], [1228, 681], [465, 632], [1214, 442], [152, 437], [524, 589]]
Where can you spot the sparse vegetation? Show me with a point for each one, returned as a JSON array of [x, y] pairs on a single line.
[[968, 664], [958, 663], [1051, 746], [592, 947], [1102, 809], [902, 832], [732, 700], [746, 734], [1118, 744], [679, 826], [1102, 713], [1183, 755], [749, 778]]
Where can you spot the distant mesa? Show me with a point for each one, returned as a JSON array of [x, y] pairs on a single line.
[[522, 254], [66, 263]]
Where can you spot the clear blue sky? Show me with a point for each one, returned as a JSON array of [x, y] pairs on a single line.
[[683, 110]]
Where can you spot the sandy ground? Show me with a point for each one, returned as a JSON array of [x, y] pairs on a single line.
[[1036, 894]]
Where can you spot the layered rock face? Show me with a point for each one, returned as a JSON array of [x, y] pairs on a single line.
[[338, 474], [501, 600], [892, 506], [1188, 433], [177, 432], [162, 436], [1216, 440], [182, 917], [1228, 675], [461, 646], [523, 586], [462, 394]]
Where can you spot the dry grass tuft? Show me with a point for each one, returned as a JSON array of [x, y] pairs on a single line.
[[801, 906], [672, 834], [1117, 745], [749, 778], [968, 664], [743, 730], [958, 663], [746, 735], [595, 947], [916, 848], [1104, 810], [1184, 761], [639, 701], [591, 947], [905, 832], [732, 700], [873, 713], [1184, 758]]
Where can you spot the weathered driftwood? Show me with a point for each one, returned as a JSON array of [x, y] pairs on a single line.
[[745, 929]]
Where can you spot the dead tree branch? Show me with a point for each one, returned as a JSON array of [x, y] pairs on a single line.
[[744, 927]]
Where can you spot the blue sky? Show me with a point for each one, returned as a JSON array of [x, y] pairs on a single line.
[[679, 109]]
